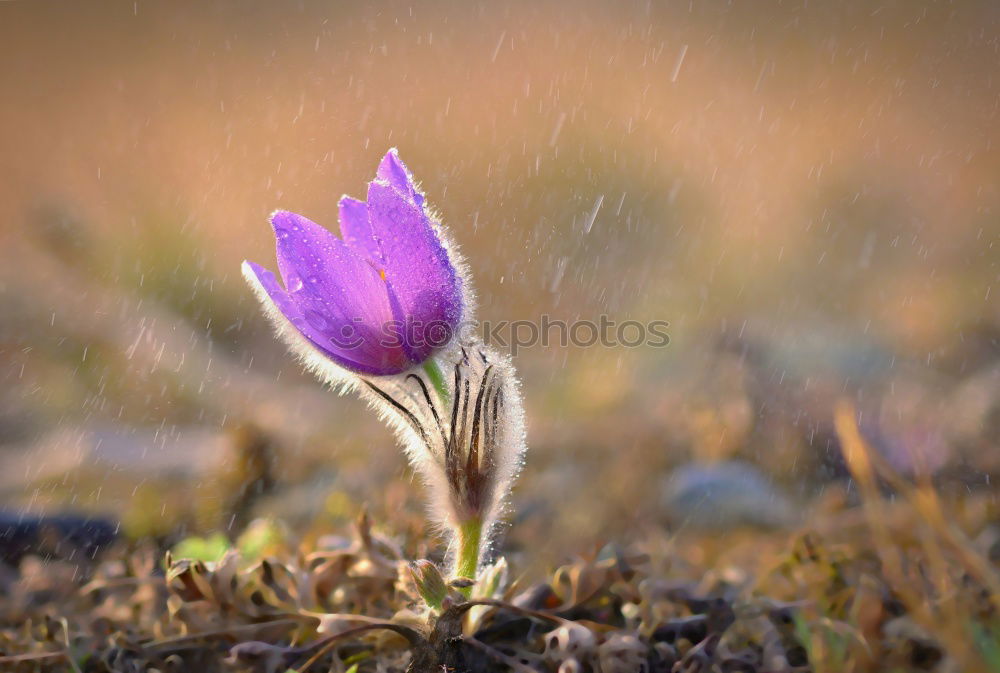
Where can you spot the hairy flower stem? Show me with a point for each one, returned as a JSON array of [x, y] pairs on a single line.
[[467, 559], [437, 380]]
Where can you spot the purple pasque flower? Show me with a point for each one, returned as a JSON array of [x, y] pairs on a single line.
[[380, 299]]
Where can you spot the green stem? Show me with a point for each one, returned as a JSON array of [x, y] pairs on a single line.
[[437, 380], [467, 561]]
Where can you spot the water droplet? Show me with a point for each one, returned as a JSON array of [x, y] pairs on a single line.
[[317, 320]]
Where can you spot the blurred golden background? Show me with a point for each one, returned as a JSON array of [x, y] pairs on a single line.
[[807, 192]]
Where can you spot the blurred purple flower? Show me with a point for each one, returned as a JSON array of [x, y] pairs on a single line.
[[380, 299]]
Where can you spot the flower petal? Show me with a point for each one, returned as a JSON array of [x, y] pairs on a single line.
[[303, 247], [340, 295], [269, 284], [355, 354], [394, 171], [357, 231], [416, 267]]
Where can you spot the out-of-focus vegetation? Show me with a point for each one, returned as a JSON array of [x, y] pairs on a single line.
[[808, 192], [892, 585]]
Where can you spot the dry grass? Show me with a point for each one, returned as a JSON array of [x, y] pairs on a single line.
[[899, 583]]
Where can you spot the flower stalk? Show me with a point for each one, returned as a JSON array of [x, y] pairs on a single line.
[[469, 536]]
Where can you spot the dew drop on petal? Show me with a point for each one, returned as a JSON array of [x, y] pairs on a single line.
[[317, 320]]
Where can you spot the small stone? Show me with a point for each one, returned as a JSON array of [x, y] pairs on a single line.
[[724, 495]]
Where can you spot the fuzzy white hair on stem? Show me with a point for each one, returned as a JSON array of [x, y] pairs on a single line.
[[468, 448], [467, 445]]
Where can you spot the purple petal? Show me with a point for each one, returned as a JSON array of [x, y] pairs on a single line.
[[303, 246], [316, 328], [394, 171], [417, 268], [356, 230], [278, 296], [342, 299]]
